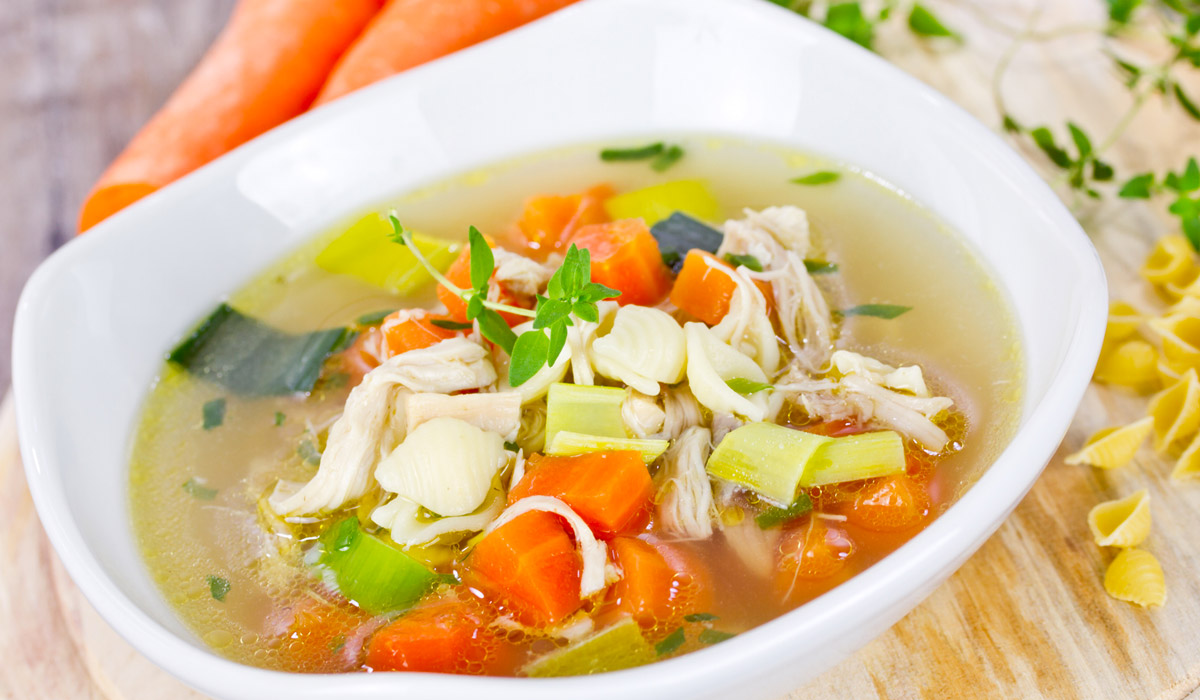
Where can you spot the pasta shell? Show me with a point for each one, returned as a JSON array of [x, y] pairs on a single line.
[[1169, 372], [644, 347], [1187, 286], [1176, 411], [445, 465], [1136, 576], [1114, 447], [1124, 522], [1189, 305], [1123, 322], [1132, 363], [1180, 335], [1170, 262], [711, 363], [1187, 467]]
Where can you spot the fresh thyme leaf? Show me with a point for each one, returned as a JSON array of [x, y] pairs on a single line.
[[671, 643], [214, 413], [451, 325], [820, 267], [1082, 143], [1101, 171], [558, 340], [198, 490], [218, 587], [746, 386], [1191, 231], [821, 177], [710, 636], [667, 158], [550, 312], [398, 231], [1132, 72], [748, 261], [493, 327], [700, 617], [482, 261], [1045, 141], [924, 23], [1138, 187], [594, 291], [847, 19], [512, 446], [279, 418], [528, 355], [586, 311], [1121, 11], [1189, 181], [309, 452], [771, 517], [637, 153], [373, 318], [475, 307], [1186, 102], [1011, 125], [888, 311]]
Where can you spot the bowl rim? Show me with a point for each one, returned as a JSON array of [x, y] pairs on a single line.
[[945, 543]]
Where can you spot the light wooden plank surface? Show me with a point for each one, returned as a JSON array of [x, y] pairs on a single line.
[[1026, 617]]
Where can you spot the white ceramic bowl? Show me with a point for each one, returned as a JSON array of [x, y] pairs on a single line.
[[97, 317]]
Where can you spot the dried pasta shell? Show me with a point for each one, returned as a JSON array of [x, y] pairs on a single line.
[[1124, 522], [1114, 447], [644, 347], [1170, 262], [1168, 371], [1180, 334], [1133, 364], [1187, 286], [1136, 576], [1188, 306], [1176, 411], [1123, 322], [1187, 467], [710, 364]]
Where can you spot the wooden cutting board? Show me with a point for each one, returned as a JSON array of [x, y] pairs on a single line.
[[1026, 617]]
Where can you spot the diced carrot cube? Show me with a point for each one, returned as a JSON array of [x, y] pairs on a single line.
[[625, 256], [611, 491], [704, 287]]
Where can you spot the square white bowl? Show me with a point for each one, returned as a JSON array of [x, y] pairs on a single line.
[[95, 320]]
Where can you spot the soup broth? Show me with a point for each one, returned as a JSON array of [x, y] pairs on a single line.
[[245, 582]]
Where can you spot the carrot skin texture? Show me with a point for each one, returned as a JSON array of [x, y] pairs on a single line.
[[611, 491], [625, 256], [438, 636], [266, 67], [548, 221], [413, 334], [408, 33]]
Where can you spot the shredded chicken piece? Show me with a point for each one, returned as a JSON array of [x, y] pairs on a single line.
[[642, 415], [908, 415], [746, 326], [519, 274], [754, 546], [803, 312], [373, 423], [579, 343], [498, 413], [682, 411], [685, 501], [723, 424], [766, 234], [909, 379]]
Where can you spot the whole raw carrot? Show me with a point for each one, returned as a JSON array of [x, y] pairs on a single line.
[[408, 33], [265, 68]]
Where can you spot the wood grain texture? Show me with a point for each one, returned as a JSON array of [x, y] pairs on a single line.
[[1026, 617]]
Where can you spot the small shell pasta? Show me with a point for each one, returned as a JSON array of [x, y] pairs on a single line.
[[1176, 411], [644, 348], [1123, 322], [445, 465], [1187, 467], [1170, 262], [747, 326], [1132, 363], [1180, 335], [711, 363], [1136, 576], [1169, 372], [1113, 447], [1123, 522]]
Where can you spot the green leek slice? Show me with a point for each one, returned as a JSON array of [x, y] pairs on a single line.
[[766, 458], [567, 444], [365, 251], [593, 410], [653, 204], [617, 647], [374, 574], [855, 457]]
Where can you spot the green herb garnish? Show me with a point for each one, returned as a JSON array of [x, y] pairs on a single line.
[[710, 636], [337, 644], [569, 294], [1183, 185], [451, 325], [820, 267], [671, 643], [667, 158], [198, 490], [771, 517], [214, 413], [747, 261], [610, 155], [218, 587], [821, 177], [279, 418], [512, 446], [700, 617], [922, 22], [374, 318], [308, 452], [746, 386], [888, 311]]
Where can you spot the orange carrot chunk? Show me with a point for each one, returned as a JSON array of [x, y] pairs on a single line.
[[265, 68], [625, 257], [439, 636], [413, 333], [408, 33], [892, 504], [611, 491], [459, 274], [704, 287], [659, 584], [549, 221], [530, 566]]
